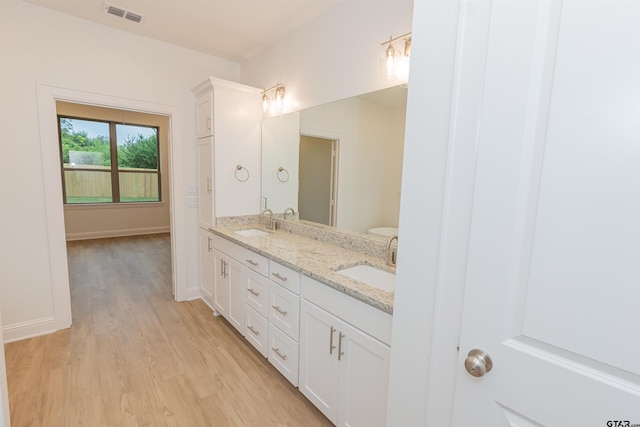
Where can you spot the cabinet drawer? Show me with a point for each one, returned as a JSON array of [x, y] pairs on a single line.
[[256, 262], [284, 310], [256, 293], [256, 330], [283, 354], [229, 248], [285, 276]]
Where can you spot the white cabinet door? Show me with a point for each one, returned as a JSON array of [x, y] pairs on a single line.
[[205, 183], [220, 284], [318, 376], [235, 315], [284, 310], [257, 289], [364, 379], [207, 260], [237, 142], [552, 276], [204, 116]]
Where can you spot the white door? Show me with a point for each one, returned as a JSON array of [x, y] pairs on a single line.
[[207, 263], [364, 379], [220, 284], [553, 274], [318, 358], [234, 272], [205, 183]]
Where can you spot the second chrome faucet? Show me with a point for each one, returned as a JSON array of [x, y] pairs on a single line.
[[392, 252]]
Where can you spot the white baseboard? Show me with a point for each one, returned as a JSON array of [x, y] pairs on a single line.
[[192, 293], [29, 329], [117, 233]]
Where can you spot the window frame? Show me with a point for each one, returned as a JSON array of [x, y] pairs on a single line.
[[114, 168]]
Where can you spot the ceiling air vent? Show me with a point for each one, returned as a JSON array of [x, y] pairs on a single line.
[[115, 11], [133, 17], [123, 13]]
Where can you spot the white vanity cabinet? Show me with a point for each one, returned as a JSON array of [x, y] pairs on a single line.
[[205, 183], [204, 112], [228, 129], [284, 320], [207, 265], [228, 287], [256, 301], [344, 356]]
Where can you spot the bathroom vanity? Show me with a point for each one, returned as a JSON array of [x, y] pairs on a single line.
[[315, 302], [327, 333]]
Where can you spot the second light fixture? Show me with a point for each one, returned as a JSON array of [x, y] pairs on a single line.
[[275, 102]]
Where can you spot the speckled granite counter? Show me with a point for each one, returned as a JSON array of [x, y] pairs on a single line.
[[315, 259]]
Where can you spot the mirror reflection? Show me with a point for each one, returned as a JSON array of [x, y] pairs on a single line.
[[338, 164]]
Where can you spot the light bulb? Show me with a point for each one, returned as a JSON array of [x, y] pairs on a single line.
[[389, 61]]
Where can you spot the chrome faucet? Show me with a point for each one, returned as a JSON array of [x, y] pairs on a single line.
[[271, 225], [392, 253], [293, 213]]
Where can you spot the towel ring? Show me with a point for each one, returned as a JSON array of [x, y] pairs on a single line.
[[285, 175], [239, 168]]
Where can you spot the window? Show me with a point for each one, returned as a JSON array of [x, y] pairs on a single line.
[[108, 162]]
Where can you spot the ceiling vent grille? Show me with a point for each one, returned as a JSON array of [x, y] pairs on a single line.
[[133, 17], [115, 11], [123, 13]]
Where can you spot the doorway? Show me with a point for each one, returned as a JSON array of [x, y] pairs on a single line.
[[47, 98], [318, 179]]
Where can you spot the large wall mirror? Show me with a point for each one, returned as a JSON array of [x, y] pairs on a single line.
[[338, 164]]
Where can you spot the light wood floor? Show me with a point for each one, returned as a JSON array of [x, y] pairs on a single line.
[[134, 357]]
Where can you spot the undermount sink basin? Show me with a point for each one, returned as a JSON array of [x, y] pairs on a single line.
[[251, 232], [372, 276]]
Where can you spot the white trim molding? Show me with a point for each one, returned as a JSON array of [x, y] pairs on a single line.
[[117, 233], [29, 329], [47, 97]]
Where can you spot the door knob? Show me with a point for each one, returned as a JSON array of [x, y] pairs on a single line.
[[478, 362]]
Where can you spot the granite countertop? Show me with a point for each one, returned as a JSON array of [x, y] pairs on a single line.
[[315, 259]]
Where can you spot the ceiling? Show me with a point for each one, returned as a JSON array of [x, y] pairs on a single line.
[[229, 29]]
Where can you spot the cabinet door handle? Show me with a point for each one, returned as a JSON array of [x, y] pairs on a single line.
[[277, 351], [279, 310], [208, 122], [256, 333], [252, 262], [222, 268], [209, 244], [208, 185], [253, 292], [340, 352], [284, 279], [331, 346]]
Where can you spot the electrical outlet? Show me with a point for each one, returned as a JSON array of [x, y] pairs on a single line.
[[192, 202]]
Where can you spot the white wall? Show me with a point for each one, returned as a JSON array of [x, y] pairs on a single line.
[[40, 46], [334, 56]]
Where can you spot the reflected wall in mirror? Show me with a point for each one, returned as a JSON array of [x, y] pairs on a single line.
[[369, 130]]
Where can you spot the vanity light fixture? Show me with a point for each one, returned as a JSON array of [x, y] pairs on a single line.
[[395, 63], [276, 103]]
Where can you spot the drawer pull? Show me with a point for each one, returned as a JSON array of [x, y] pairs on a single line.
[[340, 352], [253, 292], [256, 333], [252, 262], [277, 351], [279, 310], [284, 279], [331, 346]]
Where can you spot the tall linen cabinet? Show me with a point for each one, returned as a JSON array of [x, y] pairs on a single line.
[[228, 121]]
